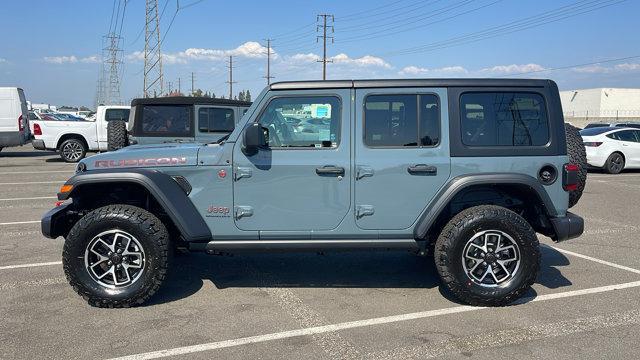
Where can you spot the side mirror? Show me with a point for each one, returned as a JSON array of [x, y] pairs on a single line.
[[254, 138]]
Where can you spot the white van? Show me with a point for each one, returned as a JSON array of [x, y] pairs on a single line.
[[14, 122]]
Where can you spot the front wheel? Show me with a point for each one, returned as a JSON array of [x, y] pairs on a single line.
[[487, 255], [116, 256], [72, 150]]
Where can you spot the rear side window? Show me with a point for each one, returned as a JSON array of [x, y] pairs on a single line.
[[625, 135], [401, 120], [503, 119], [116, 114], [212, 119], [166, 120]]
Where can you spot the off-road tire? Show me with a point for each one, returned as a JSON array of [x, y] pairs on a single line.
[[145, 227], [116, 135], [577, 155], [463, 226], [609, 164], [76, 143]]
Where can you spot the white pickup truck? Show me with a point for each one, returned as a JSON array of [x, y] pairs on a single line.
[[72, 139]]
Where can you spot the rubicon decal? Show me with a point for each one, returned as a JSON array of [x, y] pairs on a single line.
[[141, 162]]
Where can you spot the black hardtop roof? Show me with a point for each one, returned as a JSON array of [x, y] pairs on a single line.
[[389, 83], [187, 100]]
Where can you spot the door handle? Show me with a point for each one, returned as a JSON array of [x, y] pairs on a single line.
[[330, 170], [422, 169]]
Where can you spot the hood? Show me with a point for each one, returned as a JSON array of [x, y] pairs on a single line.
[[149, 156]]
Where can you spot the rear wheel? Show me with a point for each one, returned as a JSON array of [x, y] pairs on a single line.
[[487, 255], [614, 163], [116, 256], [72, 150]]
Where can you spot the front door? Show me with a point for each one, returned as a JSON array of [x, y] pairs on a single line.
[[300, 183], [402, 154]]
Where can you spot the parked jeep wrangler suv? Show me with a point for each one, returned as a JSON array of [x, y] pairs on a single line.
[[470, 169]]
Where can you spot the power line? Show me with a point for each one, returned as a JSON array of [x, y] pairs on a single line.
[[574, 66], [324, 37], [153, 76]]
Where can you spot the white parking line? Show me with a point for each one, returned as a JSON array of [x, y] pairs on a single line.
[[30, 198], [359, 324], [20, 222], [37, 172], [599, 261], [21, 266], [34, 182]]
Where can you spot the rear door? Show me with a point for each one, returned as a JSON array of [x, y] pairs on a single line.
[[24, 111], [401, 152]]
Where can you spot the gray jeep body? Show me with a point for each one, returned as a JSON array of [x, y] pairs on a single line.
[[215, 197]]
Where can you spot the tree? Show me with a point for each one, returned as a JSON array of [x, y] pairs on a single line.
[[197, 93], [241, 95], [247, 96]]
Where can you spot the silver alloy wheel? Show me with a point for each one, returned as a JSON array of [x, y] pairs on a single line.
[[616, 163], [490, 258], [72, 150], [114, 259]]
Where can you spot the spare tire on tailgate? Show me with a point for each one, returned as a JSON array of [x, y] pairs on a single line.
[[577, 155], [116, 135]]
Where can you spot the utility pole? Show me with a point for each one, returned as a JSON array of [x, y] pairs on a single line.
[[268, 77], [153, 82], [169, 90], [179, 88], [192, 83], [324, 37], [231, 82]]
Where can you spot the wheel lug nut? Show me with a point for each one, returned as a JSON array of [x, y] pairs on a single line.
[[119, 251], [109, 263], [110, 253]]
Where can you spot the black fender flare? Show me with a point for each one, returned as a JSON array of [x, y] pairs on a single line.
[[457, 184], [162, 187]]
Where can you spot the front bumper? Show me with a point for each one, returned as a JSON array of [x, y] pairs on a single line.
[[567, 227], [38, 144], [55, 222]]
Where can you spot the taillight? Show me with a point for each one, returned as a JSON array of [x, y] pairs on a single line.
[[20, 124], [36, 129], [592, 143], [570, 177]]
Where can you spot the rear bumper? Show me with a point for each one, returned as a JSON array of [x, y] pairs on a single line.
[[38, 144], [55, 223], [567, 227]]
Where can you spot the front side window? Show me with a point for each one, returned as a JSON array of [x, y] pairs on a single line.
[[307, 122], [116, 114], [166, 120], [401, 120], [503, 119], [212, 119]]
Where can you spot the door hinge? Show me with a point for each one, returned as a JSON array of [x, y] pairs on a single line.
[[364, 171], [242, 211], [242, 172], [364, 210]]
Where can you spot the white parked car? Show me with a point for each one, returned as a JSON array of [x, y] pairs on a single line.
[[14, 122], [74, 138], [611, 148]]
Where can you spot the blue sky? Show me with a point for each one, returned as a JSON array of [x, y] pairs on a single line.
[[52, 48]]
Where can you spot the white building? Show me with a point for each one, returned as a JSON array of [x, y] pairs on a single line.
[[581, 107]]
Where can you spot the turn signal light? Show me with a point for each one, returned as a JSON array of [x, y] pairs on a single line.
[[66, 188], [570, 177]]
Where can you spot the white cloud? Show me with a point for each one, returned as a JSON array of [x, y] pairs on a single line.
[[3, 61], [592, 69], [364, 61], [302, 58], [627, 67], [71, 59], [513, 69], [250, 49], [443, 71], [61, 59]]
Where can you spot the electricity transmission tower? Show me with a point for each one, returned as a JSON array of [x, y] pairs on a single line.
[[112, 64], [231, 82], [268, 76], [324, 37], [153, 85]]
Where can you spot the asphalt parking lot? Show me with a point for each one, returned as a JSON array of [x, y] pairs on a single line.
[[379, 305]]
